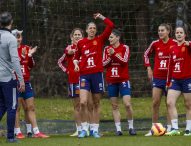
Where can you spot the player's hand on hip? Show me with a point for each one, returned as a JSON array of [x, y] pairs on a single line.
[[22, 86]]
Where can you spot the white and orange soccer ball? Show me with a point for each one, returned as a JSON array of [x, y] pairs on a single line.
[[158, 129]]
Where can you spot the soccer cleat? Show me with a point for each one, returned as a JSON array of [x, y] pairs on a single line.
[[74, 134], [20, 136], [187, 133], [40, 135], [132, 131], [96, 134], [83, 134], [173, 132], [29, 135], [149, 133], [119, 133], [12, 140]]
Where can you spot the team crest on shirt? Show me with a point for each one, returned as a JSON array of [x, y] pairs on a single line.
[[94, 42], [183, 49], [158, 48], [174, 57], [87, 52], [82, 82], [160, 53], [119, 54]]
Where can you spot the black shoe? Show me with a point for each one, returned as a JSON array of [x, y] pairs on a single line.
[[29, 135], [12, 140], [132, 132], [119, 133]]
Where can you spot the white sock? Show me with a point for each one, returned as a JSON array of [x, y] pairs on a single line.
[[91, 127], [168, 128], [118, 126], [17, 130], [96, 127], [188, 125], [84, 126], [79, 128], [29, 128], [88, 126], [174, 123], [130, 123], [36, 130]]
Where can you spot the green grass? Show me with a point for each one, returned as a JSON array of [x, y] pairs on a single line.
[[107, 140], [63, 109]]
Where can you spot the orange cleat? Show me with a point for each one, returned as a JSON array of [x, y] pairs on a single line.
[[20, 136], [40, 135]]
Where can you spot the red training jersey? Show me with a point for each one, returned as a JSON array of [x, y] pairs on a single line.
[[90, 51], [161, 58], [66, 64], [180, 61], [117, 64], [26, 61]]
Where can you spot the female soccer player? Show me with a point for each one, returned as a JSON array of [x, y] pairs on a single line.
[[26, 98], [73, 77], [115, 60], [180, 66], [161, 61], [90, 67]]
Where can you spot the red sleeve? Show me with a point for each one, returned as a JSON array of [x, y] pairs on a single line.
[[78, 51], [122, 59], [107, 31], [61, 63], [106, 58], [147, 53], [31, 62]]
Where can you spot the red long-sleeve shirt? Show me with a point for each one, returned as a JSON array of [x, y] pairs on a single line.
[[26, 61], [66, 64], [161, 59], [90, 51], [117, 64], [180, 61]]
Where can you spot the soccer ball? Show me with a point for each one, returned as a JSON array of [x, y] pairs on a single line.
[[158, 129]]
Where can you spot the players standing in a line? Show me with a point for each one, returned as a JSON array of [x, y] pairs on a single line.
[[180, 66], [158, 77], [90, 67], [9, 65], [27, 63], [115, 60]]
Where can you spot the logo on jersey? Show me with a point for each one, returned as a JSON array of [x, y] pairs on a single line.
[[87, 52], [174, 57], [119, 54], [158, 48], [160, 54], [183, 49], [189, 86], [83, 82], [94, 43]]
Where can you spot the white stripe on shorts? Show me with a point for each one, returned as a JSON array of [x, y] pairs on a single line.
[[14, 98]]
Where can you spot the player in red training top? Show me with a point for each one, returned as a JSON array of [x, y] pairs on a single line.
[[180, 66], [67, 66], [115, 60], [26, 98], [159, 76], [90, 67]]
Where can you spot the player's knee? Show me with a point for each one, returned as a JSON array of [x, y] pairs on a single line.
[[170, 103], [156, 104], [96, 104], [115, 106], [30, 108], [128, 106], [188, 105]]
